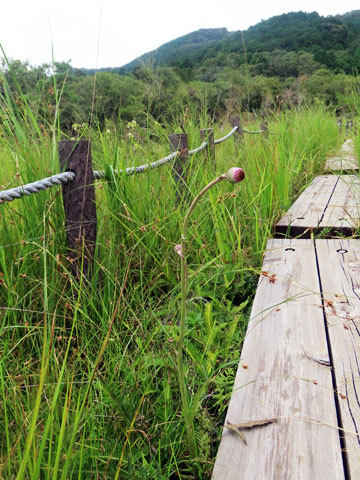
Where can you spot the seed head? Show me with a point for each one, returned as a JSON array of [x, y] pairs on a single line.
[[178, 250], [235, 175]]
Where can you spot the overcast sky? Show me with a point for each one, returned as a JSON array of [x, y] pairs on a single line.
[[110, 33]]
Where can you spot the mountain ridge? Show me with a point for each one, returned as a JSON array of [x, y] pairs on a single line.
[[293, 31]]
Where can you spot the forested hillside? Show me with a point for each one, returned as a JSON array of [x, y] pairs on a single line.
[[284, 62], [332, 42], [180, 48]]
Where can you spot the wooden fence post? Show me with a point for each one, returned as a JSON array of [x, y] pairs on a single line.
[[179, 142], [340, 125], [239, 134], [79, 205], [353, 127], [264, 126], [208, 135]]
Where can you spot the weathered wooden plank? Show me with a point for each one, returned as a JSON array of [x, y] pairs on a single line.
[[331, 202], [341, 164], [339, 265], [343, 211], [283, 374], [307, 211], [346, 159], [348, 147]]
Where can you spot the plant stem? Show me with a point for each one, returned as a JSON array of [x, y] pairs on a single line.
[[195, 201], [188, 417]]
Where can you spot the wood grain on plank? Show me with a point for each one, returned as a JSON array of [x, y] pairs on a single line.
[[280, 376], [307, 211], [339, 264]]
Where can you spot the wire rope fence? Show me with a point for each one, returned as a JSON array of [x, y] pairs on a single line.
[[77, 181], [67, 176]]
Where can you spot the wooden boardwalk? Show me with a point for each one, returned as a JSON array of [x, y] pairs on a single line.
[[345, 161], [296, 397], [330, 203]]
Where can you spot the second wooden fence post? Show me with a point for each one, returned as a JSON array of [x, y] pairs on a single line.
[[239, 134], [340, 126], [265, 128], [179, 142], [207, 134]]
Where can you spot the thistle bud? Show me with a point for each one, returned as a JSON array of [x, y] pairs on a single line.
[[235, 175]]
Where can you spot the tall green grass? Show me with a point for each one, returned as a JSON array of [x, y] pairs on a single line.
[[88, 374]]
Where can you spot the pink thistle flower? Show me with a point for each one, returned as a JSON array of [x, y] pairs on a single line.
[[235, 175]]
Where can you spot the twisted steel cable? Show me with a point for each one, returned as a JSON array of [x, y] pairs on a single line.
[[220, 140], [35, 187], [65, 177], [198, 149], [253, 132], [141, 168], [150, 166]]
